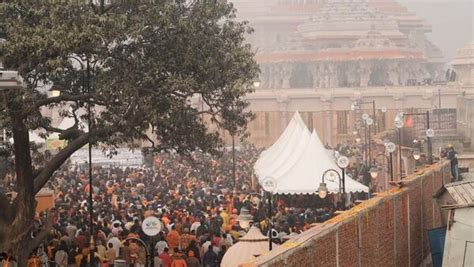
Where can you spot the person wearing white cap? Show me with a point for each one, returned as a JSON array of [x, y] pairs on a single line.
[[115, 242]]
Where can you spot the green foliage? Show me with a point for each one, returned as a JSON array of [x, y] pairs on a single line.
[[138, 62]]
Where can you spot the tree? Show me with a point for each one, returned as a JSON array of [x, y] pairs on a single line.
[[136, 65]]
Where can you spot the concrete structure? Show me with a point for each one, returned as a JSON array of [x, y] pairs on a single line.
[[463, 64], [457, 202], [390, 229], [465, 122], [329, 110]]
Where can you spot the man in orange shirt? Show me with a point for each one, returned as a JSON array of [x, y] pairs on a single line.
[[185, 239], [173, 238]]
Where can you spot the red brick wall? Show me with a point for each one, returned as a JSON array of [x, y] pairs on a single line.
[[324, 250], [348, 243], [387, 230]]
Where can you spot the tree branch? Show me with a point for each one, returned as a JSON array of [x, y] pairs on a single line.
[[43, 177], [48, 225], [61, 98], [55, 163]]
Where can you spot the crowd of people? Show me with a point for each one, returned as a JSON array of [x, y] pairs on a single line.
[[193, 198]]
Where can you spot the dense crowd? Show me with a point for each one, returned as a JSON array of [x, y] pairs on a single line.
[[193, 198]]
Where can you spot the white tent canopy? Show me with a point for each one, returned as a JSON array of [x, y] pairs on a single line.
[[299, 163], [249, 247], [285, 151]]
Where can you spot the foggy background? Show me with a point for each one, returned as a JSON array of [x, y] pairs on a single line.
[[452, 22]]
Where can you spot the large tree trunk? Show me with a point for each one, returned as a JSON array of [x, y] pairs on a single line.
[[16, 219], [23, 208]]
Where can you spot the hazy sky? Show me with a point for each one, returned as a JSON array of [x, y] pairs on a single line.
[[452, 22]]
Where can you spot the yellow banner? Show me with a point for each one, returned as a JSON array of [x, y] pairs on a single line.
[[54, 144]]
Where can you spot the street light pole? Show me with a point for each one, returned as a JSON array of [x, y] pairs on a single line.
[[375, 119], [323, 190], [366, 145], [270, 227], [269, 185], [390, 166], [400, 153], [430, 144], [91, 211], [233, 162], [369, 147]]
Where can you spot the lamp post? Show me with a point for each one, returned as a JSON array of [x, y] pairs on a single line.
[[357, 104], [429, 133], [331, 175], [233, 162], [86, 83], [399, 124], [256, 84], [384, 111], [89, 122], [342, 162], [390, 147], [369, 122], [269, 185]]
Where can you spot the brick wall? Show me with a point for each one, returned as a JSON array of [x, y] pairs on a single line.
[[387, 230]]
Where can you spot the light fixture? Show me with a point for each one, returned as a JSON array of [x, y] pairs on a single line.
[[399, 123], [353, 106], [369, 121], [55, 92], [322, 190], [244, 218], [256, 84], [384, 109], [358, 139], [415, 141], [354, 132], [373, 172], [416, 155]]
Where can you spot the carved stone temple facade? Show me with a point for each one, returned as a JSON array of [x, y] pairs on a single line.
[[319, 56]]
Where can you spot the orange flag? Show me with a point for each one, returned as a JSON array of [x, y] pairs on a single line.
[[409, 122]]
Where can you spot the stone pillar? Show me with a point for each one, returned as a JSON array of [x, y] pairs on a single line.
[[364, 73], [328, 118], [283, 101], [333, 79], [393, 75], [286, 75], [265, 76], [315, 72]]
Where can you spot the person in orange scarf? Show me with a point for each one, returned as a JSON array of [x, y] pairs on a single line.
[[173, 238], [178, 260], [33, 261]]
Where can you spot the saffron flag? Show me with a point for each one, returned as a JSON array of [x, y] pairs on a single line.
[[409, 122]]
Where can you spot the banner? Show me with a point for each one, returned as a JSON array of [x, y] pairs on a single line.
[[55, 144]]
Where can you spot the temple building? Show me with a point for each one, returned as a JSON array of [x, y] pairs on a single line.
[[340, 43], [320, 56]]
